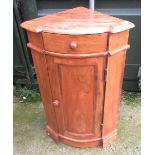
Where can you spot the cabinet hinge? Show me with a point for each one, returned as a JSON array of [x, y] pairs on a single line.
[[105, 74], [101, 126]]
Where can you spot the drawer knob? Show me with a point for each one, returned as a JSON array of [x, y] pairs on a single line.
[[56, 103], [73, 45]]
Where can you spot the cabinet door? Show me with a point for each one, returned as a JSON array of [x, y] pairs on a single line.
[[77, 87]]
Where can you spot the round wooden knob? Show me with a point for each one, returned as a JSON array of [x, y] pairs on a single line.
[[56, 103], [73, 45]]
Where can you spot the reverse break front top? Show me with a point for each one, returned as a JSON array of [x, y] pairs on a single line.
[[79, 58]]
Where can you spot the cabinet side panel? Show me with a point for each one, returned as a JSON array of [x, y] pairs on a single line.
[[115, 72], [36, 39], [42, 78]]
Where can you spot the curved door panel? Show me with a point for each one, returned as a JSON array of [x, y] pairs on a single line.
[[77, 87]]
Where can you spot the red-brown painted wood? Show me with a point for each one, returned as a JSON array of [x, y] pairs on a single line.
[[78, 86], [43, 80], [77, 21], [115, 68], [63, 43], [72, 50]]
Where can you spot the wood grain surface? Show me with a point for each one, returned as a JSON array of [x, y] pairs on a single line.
[[85, 43], [77, 21], [115, 72], [78, 86]]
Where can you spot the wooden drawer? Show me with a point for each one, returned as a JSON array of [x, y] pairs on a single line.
[[62, 43]]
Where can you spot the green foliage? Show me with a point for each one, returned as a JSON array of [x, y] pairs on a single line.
[[25, 94], [131, 98]]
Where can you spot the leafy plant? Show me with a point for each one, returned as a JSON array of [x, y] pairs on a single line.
[[131, 98], [25, 94]]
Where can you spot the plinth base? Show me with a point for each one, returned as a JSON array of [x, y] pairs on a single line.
[[107, 140]]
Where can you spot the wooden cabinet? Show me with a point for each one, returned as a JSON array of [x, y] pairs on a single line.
[[79, 60]]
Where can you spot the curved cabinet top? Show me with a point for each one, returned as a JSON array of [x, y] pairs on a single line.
[[77, 21]]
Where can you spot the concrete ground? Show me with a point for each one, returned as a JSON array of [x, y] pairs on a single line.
[[30, 137]]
